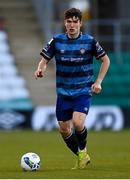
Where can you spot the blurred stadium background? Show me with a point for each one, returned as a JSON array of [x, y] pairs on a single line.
[[25, 26]]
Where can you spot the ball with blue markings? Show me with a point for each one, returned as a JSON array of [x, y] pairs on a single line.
[[30, 162]]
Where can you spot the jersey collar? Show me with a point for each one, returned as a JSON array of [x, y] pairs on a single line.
[[74, 38]]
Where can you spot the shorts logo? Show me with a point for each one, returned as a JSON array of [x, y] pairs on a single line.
[[86, 109], [82, 50]]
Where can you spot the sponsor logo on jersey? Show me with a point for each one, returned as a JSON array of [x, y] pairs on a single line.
[[62, 51]]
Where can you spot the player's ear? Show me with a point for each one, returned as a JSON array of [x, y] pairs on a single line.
[[81, 23], [65, 22]]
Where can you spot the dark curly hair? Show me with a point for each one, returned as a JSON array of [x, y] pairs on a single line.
[[70, 13]]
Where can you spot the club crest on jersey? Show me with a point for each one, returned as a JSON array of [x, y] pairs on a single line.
[[82, 50]]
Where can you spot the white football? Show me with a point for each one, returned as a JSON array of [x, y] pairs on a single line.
[[30, 162]]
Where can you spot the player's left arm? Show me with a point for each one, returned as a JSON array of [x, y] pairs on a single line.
[[96, 87]]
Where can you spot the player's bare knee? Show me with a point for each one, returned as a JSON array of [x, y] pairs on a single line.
[[64, 131], [78, 124]]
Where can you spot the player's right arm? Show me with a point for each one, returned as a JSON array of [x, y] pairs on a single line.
[[47, 54], [41, 68]]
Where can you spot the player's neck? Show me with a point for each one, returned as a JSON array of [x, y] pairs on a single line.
[[75, 36]]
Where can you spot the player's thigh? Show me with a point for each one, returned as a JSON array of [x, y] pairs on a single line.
[[79, 120]]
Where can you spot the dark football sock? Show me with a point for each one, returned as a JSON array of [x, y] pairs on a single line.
[[82, 138], [72, 143]]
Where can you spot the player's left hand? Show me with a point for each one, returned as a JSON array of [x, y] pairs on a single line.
[[96, 88]]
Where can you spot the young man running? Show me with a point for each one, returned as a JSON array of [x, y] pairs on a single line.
[[74, 52]]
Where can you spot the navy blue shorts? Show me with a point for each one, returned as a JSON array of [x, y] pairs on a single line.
[[65, 106]]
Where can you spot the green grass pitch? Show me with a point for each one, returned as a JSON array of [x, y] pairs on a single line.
[[109, 151]]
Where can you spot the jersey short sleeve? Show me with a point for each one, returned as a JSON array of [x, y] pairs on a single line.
[[98, 50], [49, 50]]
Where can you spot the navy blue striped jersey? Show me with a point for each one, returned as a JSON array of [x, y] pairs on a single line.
[[74, 62]]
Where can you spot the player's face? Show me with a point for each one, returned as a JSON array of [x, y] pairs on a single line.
[[73, 26]]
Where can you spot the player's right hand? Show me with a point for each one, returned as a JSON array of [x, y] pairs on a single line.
[[38, 73]]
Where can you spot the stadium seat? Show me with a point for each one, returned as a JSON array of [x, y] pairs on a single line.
[[3, 36], [5, 93], [4, 47], [6, 58], [12, 84], [9, 69], [15, 81], [20, 93]]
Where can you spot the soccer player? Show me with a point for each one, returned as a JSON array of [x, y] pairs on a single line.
[[74, 52]]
